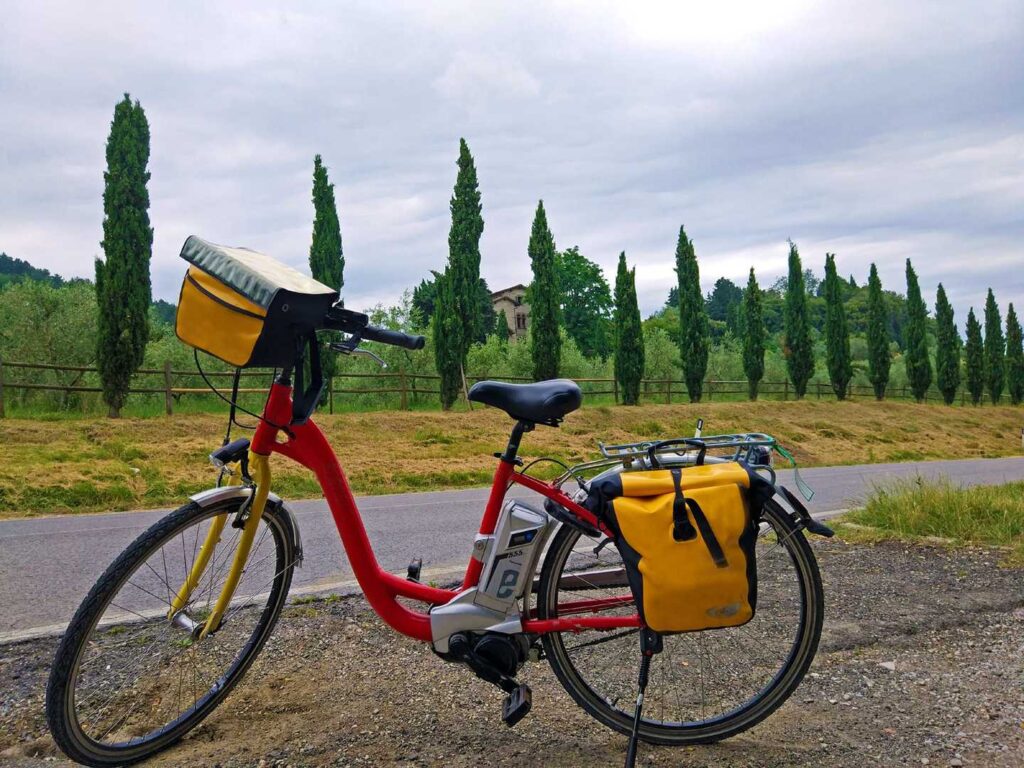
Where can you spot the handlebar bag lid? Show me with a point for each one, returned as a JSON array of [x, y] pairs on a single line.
[[245, 307], [687, 539]]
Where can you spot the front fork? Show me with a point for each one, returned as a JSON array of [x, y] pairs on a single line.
[[260, 467]]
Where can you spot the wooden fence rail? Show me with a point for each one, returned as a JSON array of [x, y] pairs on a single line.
[[404, 384]]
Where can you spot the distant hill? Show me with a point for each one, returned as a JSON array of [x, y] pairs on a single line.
[[15, 270], [165, 311]]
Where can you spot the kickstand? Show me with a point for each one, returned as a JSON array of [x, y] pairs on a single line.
[[650, 644]]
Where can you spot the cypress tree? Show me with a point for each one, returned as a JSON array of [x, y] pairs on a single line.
[[464, 249], [753, 336], [326, 258], [947, 352], [543, 299], [123, 290], [446, 329], [879, 359], [974, 351], [799, 348], [629, 338], [919, 367], [693, 318], [837, 337], [1014, 357], [995, 349], [501, 329]]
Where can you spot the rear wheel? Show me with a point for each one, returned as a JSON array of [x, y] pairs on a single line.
[[704, 686], [127, 681]]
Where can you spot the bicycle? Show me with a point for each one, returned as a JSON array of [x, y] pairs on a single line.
[[177, 619]]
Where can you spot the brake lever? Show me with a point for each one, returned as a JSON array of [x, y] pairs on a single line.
[[350, 346], [380, 360], [346, 347]]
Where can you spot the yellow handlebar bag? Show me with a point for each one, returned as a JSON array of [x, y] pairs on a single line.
[[245, 307], [687, 539]]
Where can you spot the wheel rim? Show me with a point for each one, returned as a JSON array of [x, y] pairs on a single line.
[[138, 678], [703, 682]]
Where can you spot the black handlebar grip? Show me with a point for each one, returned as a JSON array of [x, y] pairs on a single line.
[[396, 338]]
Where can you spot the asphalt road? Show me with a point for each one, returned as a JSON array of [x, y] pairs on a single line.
[[48, 564]]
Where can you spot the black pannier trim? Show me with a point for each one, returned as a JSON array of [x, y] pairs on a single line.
[[219, 300]]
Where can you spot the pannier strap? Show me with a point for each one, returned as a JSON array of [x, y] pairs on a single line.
[[682, 529]]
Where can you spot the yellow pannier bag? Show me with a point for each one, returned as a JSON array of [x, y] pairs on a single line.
[[687, 539], [246, 308]]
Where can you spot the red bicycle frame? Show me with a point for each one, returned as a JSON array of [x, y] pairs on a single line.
[[305, 444]]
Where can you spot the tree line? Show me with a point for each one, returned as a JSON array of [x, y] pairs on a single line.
[[810, 327], [568, 295]]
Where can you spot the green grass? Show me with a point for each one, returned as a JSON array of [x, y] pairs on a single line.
[[333, 597], [100, 464], [917, 510]]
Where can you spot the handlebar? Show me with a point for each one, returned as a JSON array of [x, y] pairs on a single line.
[[357, 324], [395, 338]]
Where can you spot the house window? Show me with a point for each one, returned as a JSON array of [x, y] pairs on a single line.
[[520, 321]]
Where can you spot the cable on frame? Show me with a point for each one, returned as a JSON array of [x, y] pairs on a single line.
[[233, 402]]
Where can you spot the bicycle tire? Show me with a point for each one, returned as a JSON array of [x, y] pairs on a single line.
[[60, 706], [755, 710]]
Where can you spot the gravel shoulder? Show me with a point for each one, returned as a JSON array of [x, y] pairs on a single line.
[[921, 663]]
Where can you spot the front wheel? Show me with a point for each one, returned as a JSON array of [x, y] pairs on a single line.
[[127, 681], [704, 686]]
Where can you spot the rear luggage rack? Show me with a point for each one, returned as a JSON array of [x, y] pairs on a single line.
[[743, 445], [753, 447]]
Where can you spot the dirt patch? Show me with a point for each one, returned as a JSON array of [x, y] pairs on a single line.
[[921, 663], [90, 465]]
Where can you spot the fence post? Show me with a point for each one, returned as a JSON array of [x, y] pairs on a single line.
[[330, 395], [2, 413], [785, 390], [668, 391], [404, 395], [615, 388], [817, 386], [168, 395]]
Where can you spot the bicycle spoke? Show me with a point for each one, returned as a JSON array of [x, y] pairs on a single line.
[[139, 671], [161, 580], [143, 589], [699, 677], [235, 609]]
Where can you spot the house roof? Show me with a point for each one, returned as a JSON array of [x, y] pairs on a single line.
[[510, 289]]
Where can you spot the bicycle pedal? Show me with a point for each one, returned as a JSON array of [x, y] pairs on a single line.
[[412, 573], [517, 705]]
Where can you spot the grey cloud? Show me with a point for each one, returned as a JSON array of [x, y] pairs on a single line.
[[876, 130]]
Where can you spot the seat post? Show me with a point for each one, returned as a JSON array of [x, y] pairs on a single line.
[[512, 449]]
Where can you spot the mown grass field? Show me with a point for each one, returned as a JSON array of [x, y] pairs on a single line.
[[90, 465], [943, 513]]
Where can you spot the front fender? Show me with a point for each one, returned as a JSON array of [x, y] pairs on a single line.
[[225, 493]]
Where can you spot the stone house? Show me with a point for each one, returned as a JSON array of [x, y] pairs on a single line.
[[517, 313]]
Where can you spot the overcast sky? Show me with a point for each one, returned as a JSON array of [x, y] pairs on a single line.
[[874, 129]]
